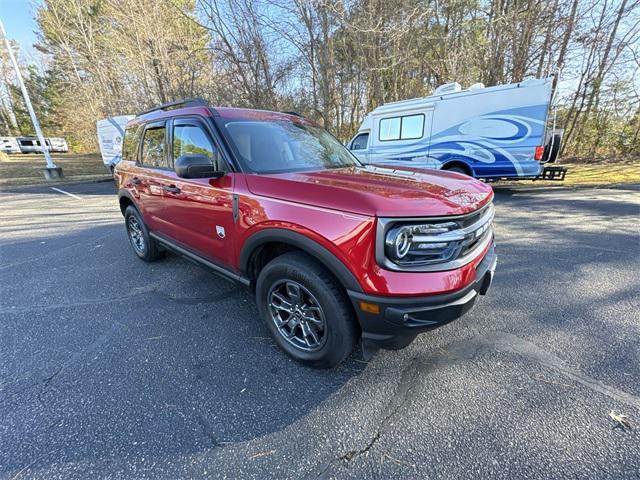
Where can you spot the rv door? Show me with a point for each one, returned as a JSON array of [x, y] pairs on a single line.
[[359, 146]]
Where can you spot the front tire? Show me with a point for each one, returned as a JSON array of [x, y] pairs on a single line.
[[145, 247], [306, 310]]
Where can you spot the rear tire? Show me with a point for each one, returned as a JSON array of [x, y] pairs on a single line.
[[455, 168], [306, 310], [145, 247]]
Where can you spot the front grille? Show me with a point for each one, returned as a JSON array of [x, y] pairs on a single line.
[[477, 227]]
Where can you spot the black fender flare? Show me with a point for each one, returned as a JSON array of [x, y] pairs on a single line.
[[313, 248], [123, 192]]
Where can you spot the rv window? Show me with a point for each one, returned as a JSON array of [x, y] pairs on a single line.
[[390, 129], [153, 148], [412, 127], [401, 128], [360, 142], [131, 137]]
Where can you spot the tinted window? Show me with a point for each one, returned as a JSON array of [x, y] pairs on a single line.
[[193, 139], [153, 148], [284, 146], [409, 127], [130, 145], [360, 142]]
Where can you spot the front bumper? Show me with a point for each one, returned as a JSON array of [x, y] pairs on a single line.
[[400, 319]]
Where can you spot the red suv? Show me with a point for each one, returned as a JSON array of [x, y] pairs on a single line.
[[334, 250]]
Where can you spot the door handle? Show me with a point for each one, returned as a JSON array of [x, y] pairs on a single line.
[[136, 181], [171, 189]]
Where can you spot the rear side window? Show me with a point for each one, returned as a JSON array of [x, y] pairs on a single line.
[[409, 127], [153, 154], [130, 144]]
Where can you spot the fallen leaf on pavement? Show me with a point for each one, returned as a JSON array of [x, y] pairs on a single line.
[[623, 420], [261, 454], [398, 461]]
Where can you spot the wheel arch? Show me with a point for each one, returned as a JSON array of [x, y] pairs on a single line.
[[125, 199], [287, 240], [455, 162]]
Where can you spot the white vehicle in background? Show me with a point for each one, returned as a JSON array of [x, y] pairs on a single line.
[[31, 144], [57, 144], [9, 145], [110, 135], [489, 133]]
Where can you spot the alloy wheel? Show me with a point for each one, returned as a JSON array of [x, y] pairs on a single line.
[[136, 235], [297, 315]]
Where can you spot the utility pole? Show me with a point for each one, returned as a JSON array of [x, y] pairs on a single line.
[[51, 170]]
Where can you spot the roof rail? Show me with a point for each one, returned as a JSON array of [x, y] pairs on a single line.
[[185, 102], [293, 113]]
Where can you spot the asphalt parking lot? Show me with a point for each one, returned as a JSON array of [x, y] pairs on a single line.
[[110, 367]]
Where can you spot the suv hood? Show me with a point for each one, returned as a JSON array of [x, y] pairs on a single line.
[[377, 191]]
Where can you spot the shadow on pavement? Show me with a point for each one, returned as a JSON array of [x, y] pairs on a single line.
[[112, 355]]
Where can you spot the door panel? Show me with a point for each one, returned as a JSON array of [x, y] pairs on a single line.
[[198, 213], [360, 147], [154, 162]]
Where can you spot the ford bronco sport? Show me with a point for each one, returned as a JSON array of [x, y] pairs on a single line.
[[334, 250]]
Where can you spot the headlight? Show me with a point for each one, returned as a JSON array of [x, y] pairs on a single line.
[[422, 242], [433, 244]]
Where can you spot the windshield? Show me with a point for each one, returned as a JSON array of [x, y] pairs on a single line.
[[284, 146]]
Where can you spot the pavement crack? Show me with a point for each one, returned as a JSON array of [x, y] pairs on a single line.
[[141, 294], [47, 380], [226, 295], [511, 343], [208, 431], [24, 469], [397, 401], [56, 251], [351, 454], [82, 303], [35, 379]]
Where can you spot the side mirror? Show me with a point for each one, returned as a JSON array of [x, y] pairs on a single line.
[[196, 165]]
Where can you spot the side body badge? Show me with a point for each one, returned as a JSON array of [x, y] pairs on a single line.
[[220, 231]]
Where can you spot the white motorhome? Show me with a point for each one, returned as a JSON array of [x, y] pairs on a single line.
[[491, 133], [58, 144], [31, 144], [110, 135], [9, 145]]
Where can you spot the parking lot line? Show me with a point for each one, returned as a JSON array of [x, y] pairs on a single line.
[[66, 193]]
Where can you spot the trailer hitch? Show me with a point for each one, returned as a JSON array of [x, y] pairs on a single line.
[[555, 173]]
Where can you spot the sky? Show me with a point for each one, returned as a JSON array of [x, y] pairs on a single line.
[[18, 17]]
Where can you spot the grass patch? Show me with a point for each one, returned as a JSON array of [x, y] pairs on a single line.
[[21, 169]]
